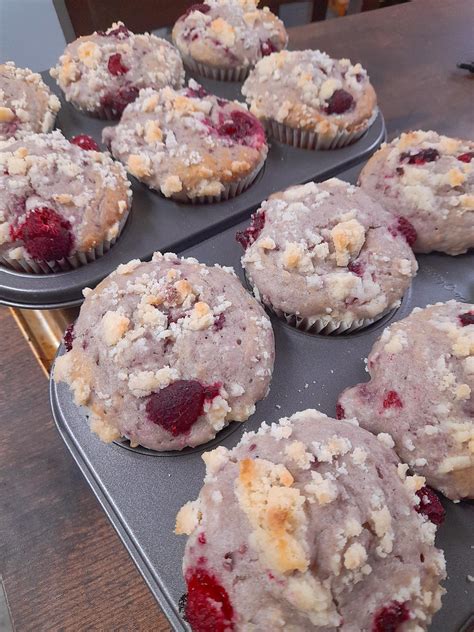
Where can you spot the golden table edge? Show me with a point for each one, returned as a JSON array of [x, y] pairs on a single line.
[[43, 330]]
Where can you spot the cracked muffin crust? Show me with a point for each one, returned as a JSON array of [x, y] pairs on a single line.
[[429, 180], [60, 205], [223, 39], [103, 72], [421, 394], [309, 100], [326, 257], [26, 103], [188, 144], [167, 353], [300, 524]]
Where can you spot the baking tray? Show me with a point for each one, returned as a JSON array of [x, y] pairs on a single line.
[[141, 491], [156, 223]]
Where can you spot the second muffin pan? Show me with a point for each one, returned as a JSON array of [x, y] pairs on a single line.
[[156, 223], [141, 491]]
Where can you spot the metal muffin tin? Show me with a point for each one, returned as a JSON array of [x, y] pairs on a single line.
[[156, 223], [141, 491]]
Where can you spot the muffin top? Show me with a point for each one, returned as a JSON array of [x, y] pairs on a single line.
[[421, 391], [429, 179], [166, 353], [187, 143], [26, 103], [308, 90], [327, 251], [303, 522], [103, 72], [57, 199], [229, 33]]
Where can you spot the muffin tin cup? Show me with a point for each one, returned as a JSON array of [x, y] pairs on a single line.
[[239, 73], [22, 264], [305, 139]]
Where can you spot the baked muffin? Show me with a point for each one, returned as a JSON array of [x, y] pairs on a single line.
[[421, 394], [302, 523], [102, 73], [26, 103], [308, 100], [189, 145], [326, 257], [223, 39], [60, 206], [167, 353], [429, 180]]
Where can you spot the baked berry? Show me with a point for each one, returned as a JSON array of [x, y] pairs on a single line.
[[392, 400], [341, 101], [68, 337], [250, 234], [242, 128], [356, 267], [115, 65], [85, 142], [197, 93], [117, 102], [405, 228], [467, 318], [208, 607], [121, 32], [430, 505], [340, 412], [467, 157], [45, 234], [219, 322], [421, 157], [389, 618], [268, 47], [178, 406]]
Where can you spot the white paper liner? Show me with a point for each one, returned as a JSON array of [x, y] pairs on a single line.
[[219, 74], [304, 139], [230, 190], [68, 263]]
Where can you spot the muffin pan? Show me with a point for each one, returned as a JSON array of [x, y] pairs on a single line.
[[141, 490], [156, 223]]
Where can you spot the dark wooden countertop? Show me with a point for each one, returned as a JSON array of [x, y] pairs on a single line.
[[62, 565]]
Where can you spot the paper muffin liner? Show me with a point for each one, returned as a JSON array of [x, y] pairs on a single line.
[[219, 74], [304, 139], [76, 260], [230, 190]]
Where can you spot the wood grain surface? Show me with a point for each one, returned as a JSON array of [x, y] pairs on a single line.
[[62, 565]]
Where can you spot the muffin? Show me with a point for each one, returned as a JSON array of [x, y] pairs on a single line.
[[429, 180], [189, 145], [60, 206], [299, 525], [102, 73], [308, 100], [327, 258], [223, 39], [26, 103], [167, 353], [421, 394]]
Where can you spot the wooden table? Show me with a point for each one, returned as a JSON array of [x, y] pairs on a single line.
[[62, 565]]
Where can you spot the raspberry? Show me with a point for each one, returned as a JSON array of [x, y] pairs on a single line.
[[356, 267], [340, 102], [115, 65], [250, 234], [68, 337], [202, 8], [219, 322], [388, 618], [178, 406], [208, 607], [267, 47], [430, 505], [467, 318], [242, 127], [340, 412], [197, 93], [121, 32], [421, 157], [45, 234], [85, 142], [392, 400], [117, 103], [467, 157], [405, 228]]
